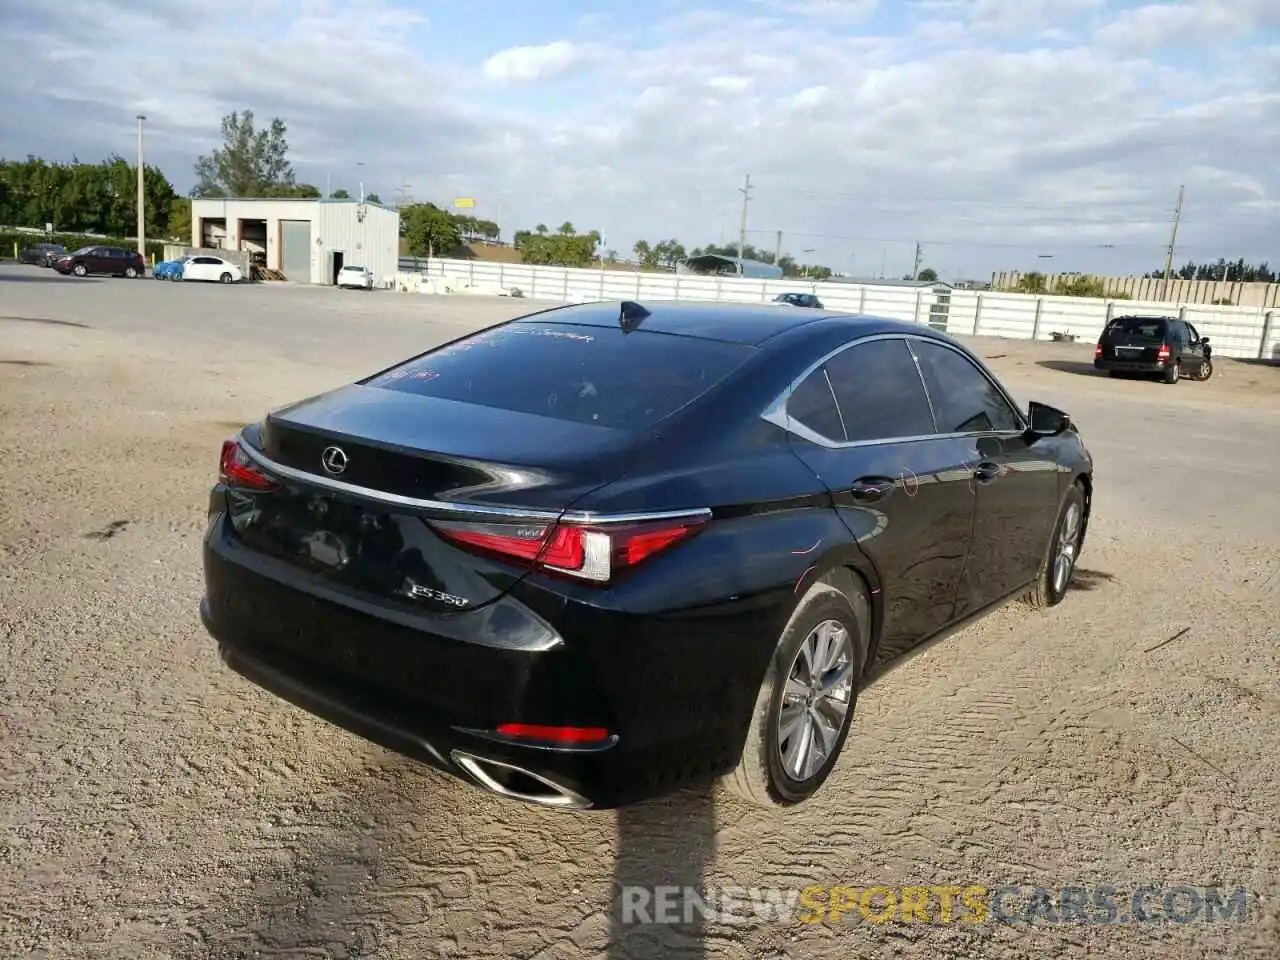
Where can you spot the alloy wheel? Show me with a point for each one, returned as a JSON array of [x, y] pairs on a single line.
[[1064, 559], [816, 701]]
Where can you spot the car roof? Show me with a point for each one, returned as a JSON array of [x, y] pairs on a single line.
[[745, 323]]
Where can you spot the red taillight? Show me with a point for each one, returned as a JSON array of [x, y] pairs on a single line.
[[1097, 350], [236, 469], [1164, 352], [533, 731], [592, 552]]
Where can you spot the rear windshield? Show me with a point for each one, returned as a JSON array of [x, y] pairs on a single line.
[[1149, 328], [594, 375]]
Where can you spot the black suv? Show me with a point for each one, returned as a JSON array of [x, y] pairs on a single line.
[[115, 261], [1165, 346]]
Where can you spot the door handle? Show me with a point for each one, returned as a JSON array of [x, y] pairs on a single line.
[[871, 489], [986, 472]]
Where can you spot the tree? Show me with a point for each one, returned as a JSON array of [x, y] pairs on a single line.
[[180, 219], [559, 249], [340, 194], [928, 273], [250, 162], [566, 229], [429, 230], [372, 198]]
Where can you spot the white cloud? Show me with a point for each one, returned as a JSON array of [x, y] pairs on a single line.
[[531, 64], [729, 83], [1194, 22], [985, 143]]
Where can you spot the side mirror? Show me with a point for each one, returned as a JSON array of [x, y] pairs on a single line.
[[1047, 421], [1204, 339]]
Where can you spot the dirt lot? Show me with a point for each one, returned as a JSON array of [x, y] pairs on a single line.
[[153, 805]]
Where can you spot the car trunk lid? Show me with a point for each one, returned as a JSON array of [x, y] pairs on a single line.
[[361, 474]]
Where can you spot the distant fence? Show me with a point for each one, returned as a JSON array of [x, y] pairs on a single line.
[[1260, 296], [1244, 332]]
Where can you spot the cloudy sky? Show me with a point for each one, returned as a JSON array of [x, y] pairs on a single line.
[[1033, 134]]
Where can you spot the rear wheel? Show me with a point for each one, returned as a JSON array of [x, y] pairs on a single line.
[[1064, 551], [131, 273], [805, 705], [1173, 373]]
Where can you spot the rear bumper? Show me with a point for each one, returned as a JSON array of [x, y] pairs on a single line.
[[440, 699], [1133, 366]]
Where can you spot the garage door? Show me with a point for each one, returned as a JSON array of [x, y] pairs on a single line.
[[295, 260]]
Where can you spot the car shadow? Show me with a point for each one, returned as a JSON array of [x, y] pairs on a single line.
[[665, 847], [7, 276], [399, 858], [1081, 368]]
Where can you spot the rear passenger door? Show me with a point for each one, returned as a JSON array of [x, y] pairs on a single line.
[[98, 260], [861, 421], [1016, 487]]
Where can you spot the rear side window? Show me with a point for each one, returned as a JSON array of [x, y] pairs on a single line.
[[879, 392], [813, 405], [593, 375], [964, 400]]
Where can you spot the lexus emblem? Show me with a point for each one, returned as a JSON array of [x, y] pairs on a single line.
[[334, 460]]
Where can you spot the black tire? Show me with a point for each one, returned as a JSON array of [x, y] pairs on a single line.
[[1046, 592], [1203, 371], [131, 273], [225, 278], [80, 270], [760, 776], [1173, 373]]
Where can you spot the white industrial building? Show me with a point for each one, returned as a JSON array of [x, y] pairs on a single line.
[[305, 241]]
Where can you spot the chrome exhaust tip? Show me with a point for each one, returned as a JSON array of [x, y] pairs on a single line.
[[517, 783]]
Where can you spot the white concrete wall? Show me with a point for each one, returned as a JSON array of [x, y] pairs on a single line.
[[1234, 331]]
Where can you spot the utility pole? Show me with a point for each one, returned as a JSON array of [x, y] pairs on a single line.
[[915, 267], [1173, 239], [745, 189], [777, 249], [142, 219]]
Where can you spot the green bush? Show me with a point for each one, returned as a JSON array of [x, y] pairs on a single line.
[[72, 241]]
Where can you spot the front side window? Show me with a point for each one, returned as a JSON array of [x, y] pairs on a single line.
[[879, 393], [964, 399]]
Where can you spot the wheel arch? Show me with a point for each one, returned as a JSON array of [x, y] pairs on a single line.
[[846, 568]]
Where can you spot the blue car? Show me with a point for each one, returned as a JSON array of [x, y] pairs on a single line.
[[169, 269]]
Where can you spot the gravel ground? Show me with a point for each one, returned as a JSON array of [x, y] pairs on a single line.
[[152, 804]]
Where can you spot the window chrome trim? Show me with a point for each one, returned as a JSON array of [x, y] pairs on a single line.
[[478, 511], [844, 427], [776, 412]]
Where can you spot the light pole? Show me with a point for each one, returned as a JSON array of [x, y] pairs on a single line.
[[142, 219], [360, 163]]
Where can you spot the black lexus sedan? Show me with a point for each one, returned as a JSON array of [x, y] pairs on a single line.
[[598, 552]]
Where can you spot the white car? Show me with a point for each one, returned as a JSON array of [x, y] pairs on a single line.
[[355, 278], [211, 268]]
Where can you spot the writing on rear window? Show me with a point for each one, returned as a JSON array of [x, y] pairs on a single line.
[[605, 377]]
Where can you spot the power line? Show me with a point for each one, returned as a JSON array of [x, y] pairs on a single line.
[[742, 230], [1041, 241]]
